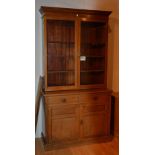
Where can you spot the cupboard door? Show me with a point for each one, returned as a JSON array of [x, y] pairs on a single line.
[[95, 120], [93, 45], [94, 125], [61, 54], [64, 123]]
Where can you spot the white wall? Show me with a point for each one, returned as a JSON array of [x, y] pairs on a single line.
[[111, 5]]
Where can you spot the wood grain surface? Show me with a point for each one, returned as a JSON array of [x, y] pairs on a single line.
[[109, 148]]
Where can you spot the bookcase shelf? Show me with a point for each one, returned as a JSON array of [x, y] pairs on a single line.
[[61, 42], [91, 71], [60, 71], [90, 56]]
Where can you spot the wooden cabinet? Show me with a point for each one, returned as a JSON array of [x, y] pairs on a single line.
[[77, 101]]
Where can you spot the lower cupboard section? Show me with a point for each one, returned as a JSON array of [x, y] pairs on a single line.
[[72, 122]]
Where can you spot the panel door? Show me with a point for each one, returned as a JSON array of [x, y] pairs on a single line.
[[94, 121], [94, 125], [64, 123]]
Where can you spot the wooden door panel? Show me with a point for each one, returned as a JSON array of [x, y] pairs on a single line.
[[64, 123], [94, 125], [64, 129], [62, 99], [87, 109], [94, 98]]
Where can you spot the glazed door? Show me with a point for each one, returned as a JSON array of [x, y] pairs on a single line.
[[61, 54], [93, 46]]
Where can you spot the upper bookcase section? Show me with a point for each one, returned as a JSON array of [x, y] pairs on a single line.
[[75, 45]]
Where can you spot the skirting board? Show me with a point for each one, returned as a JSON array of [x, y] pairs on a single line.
[[48, 147]]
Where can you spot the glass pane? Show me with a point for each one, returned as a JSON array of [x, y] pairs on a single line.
[[61, 52], [92, 62]]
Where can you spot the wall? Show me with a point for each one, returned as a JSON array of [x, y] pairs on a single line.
[[111, 5]]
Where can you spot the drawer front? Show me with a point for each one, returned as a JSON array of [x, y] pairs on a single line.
[[94, 98], [88, 109], [63, 99], [63, 111]]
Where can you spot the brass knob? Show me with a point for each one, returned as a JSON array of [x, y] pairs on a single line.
[[63, 100], [95, 98]]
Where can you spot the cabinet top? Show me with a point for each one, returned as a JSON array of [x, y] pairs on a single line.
[[45, 9]]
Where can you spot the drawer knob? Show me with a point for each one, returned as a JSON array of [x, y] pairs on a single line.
[[95, 98], [63, 100]]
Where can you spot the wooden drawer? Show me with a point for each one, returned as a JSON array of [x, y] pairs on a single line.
[[94, 98], [63, 99], [62, 111], [88, 109]]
